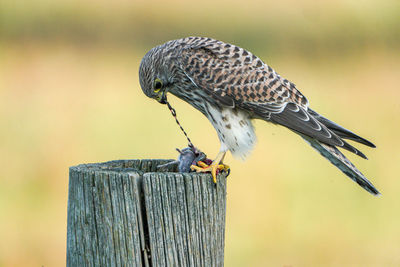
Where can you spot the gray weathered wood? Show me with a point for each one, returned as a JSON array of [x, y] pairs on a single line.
[[125, 213]]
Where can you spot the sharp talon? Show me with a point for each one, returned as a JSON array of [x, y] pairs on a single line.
[[214, 173], [206, 168], [215, 167], [223, 167]]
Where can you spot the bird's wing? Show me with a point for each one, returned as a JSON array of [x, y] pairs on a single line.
[[234, 76], [339, 130], [299, 120]]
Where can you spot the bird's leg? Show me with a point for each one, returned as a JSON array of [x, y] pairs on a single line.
[[215, 165]]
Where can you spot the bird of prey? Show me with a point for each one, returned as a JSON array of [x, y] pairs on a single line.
[[231, 87]]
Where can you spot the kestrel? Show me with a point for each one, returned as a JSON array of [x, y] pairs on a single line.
[[231, 87]]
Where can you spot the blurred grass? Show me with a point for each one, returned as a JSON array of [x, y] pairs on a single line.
[[69, 94], [306, 26]]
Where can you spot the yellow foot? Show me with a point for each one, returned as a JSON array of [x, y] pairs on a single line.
[[210, 168]]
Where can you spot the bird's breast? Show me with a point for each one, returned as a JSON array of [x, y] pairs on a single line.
[[234, 127]]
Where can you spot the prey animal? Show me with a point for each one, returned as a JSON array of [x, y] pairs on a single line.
[[187, 157], [231, 87]]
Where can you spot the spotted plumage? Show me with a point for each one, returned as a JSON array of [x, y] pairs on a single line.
[[231, 87]]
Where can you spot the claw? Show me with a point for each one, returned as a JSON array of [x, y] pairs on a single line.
[[224, 167], [213, 168]]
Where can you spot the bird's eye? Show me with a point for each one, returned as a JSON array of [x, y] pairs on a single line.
[[157, 85]]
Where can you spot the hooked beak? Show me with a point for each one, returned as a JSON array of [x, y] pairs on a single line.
[[162, 97]]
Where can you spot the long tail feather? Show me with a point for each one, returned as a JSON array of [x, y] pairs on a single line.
[[303, 121], [340, 161], [339, 130]]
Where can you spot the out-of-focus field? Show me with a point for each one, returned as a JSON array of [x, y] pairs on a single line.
[[69, 94]]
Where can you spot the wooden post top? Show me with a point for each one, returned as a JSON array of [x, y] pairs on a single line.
[[131, 213]]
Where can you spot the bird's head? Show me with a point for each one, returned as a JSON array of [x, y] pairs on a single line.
[[154, 75]]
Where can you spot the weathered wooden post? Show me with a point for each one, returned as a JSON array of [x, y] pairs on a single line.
[[128, 213]]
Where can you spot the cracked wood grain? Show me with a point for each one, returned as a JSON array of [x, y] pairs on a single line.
[[125, 213]]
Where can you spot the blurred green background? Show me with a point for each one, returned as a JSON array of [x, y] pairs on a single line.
[[69, 94]]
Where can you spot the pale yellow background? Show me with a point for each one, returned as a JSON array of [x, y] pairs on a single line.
[[69, 94]]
